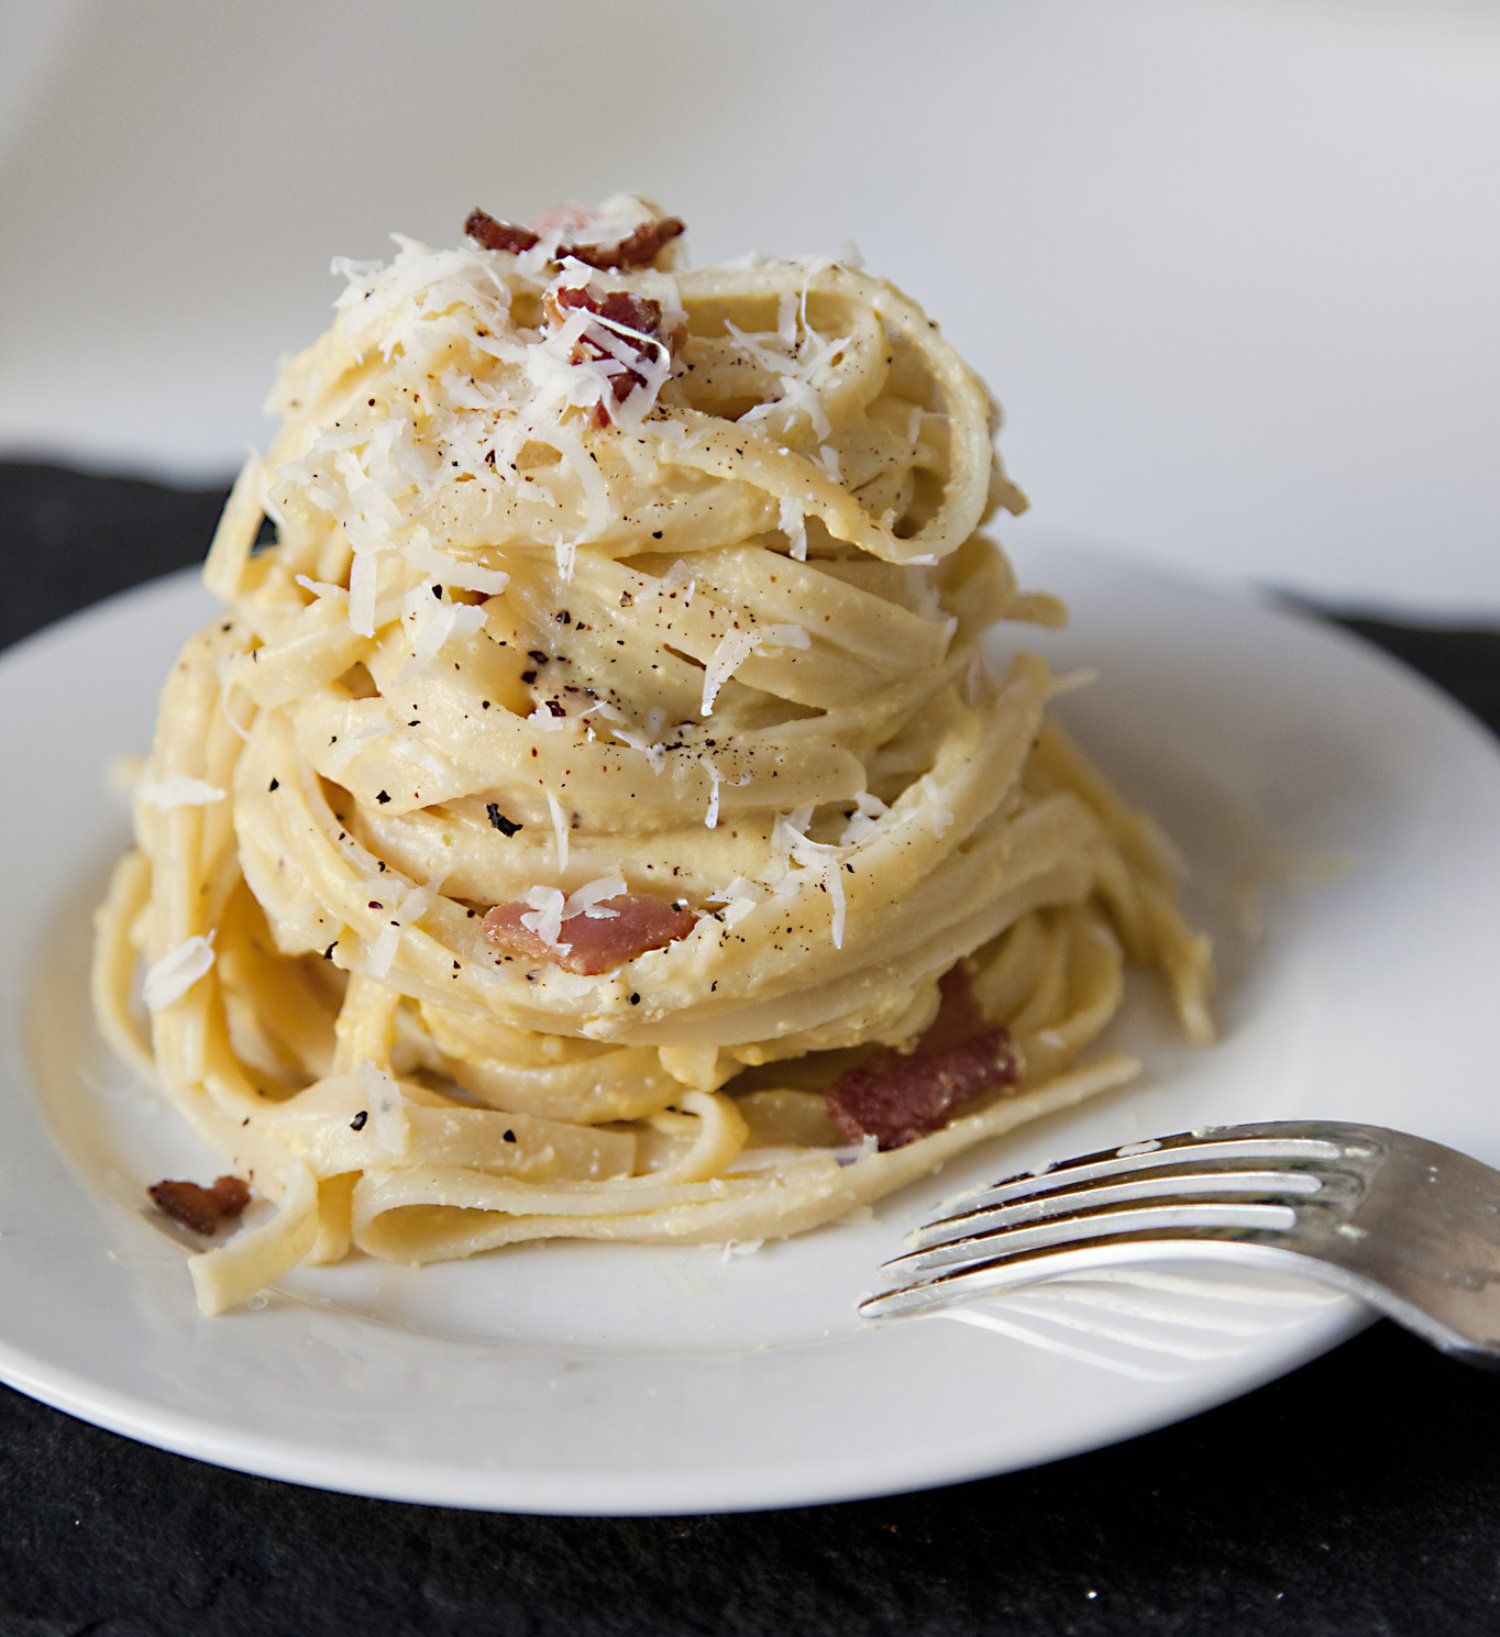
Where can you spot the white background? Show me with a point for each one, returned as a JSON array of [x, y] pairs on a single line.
[[1233, 266]]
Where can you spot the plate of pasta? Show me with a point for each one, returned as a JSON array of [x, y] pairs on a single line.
[[620, 840]]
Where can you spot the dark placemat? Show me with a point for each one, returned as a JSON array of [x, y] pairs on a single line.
[[1361, 1495]]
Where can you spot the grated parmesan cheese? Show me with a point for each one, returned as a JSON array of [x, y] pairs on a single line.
[[386, 1133], [349, 745], [170, 978], [420, 552], [739, 898], [362, 589], [179, 791], [545, 916], [413, 906], [798, 851], [435, 621], [559, 830], [833, 880], [734, 648], [320, 588], [865, 819], [383, 951], [681, 576], [543, 719], [792, 521], [592, 898]]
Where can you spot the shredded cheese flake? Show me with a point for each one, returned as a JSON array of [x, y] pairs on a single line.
[[792, 521], [545, 916], [592, 899], [362, 590], [734, 648], [170, 978], [434, 622], [179, 791], [864, 821], [413, 906], [559, 830]]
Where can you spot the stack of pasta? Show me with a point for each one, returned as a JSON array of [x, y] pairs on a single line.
[[616, 802]]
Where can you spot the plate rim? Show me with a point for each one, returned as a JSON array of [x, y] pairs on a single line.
[[598, 1494]]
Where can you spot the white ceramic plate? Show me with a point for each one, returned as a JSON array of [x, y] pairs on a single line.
[[1314, 784]]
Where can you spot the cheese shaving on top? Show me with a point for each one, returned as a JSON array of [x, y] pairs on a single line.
[[413, 906], [170, 978], [734, 648], [592, 899], [362, 593], [455, 571], [792, 521], [739, 898], [864, 821], [545, 916], [559, 830], [434, 622], [179, 791]]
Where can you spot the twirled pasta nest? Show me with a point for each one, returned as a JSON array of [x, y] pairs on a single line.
[[633, 620]]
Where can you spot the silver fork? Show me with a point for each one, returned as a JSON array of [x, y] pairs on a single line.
[[1407, 1225]]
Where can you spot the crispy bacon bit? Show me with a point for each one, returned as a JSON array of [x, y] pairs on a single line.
[[637, 249], [639, 314], [897, 1097], [199, 1208], [497, 235], [640, 923]]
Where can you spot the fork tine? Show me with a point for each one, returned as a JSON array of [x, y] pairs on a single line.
[[1155, 1212], [1183, 1155], [937, 1277], [1156, 1187]]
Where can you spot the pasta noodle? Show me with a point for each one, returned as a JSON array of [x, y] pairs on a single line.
[[620, 596]]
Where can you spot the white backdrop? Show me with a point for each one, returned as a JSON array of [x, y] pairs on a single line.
[[1233, 266]]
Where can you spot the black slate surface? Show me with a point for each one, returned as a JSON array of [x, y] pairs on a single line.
[[1361, 1495]]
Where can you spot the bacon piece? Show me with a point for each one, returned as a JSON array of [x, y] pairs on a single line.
[[637, 249], [588, 945], [498, 235], [639, 313], [958, 1016], [897, 1097], [636, 313], [199, 1208]]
